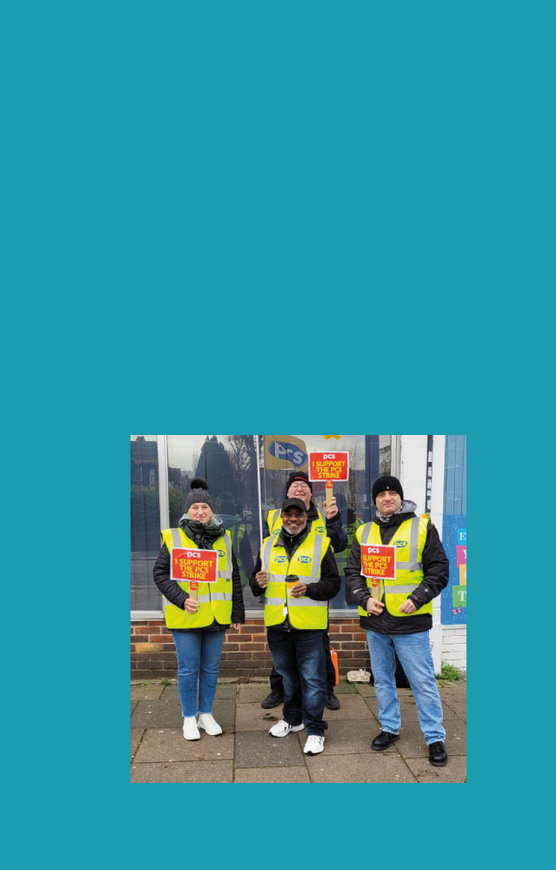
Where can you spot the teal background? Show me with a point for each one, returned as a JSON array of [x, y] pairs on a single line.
[[286, 212]]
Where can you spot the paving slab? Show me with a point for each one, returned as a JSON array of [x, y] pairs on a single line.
[[226, 691], [351, 707], [454, 771], [272, 774], [169, 744], [365, 690], [348, 737], [344, 688], [257, 749], [146, 693], [133, 706], [458, 706], [136, 734], [252, 717], [157, 714], [374, 767], [252, 694], [204, 771], [412, 742]]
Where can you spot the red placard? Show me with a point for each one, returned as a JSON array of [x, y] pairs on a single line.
[[193, 565], [378, 561], [329, 466]]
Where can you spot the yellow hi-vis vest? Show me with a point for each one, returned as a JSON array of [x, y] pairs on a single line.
[[238, 533], [305, 562], [409, 542], [215, 599], [274, 521]]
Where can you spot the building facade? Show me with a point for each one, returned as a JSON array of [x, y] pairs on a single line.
[[247, 476]]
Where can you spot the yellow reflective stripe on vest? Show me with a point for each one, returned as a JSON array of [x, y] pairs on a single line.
[[215, 599], [227, 573]]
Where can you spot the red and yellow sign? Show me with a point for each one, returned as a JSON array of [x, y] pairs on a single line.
[[329, 466], [378, 561], [194, 565]]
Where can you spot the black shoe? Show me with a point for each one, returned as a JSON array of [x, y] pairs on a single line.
[[383, 740], [437, 754], [332, 702], [272, 700]]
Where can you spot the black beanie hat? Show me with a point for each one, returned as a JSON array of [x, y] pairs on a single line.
[[298, 475], [199, 493], [386, 482]]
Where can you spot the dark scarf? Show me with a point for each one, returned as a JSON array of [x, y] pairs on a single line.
[[203, 534]]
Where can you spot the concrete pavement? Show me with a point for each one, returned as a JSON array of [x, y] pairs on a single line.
[[245, 752]]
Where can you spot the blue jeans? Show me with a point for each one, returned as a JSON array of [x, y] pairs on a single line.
[[299, 659], [198, 663], [414, 653]]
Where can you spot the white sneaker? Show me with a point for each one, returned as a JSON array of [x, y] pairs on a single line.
[[281, 729], [190, 730], [314, 745], [208, 723]]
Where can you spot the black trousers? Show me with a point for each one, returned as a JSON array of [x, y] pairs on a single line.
[[277, 685]]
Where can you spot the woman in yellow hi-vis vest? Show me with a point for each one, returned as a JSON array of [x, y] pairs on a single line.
[[198, 626], [398, 620]]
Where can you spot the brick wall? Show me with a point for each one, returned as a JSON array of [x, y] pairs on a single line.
[[454, 646], [245, 653]]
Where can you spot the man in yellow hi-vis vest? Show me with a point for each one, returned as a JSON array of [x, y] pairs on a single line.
[[297, 573], [398, 621], [299, 486]]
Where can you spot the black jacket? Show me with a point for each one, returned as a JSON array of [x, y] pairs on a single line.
[[176, 595], [334, 528], [436, 574], [324, 590]]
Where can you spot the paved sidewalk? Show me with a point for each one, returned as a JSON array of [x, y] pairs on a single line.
[[245, 752]]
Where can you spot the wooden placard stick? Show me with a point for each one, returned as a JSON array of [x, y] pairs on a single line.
[[329, 492]]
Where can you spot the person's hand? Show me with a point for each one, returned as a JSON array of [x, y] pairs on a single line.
[[375, 607], [262, 579], [331, 508], [298, 590], [408, 606], [190, 606], [235, 626]]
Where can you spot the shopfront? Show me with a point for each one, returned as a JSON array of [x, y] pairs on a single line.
[[247, 475]]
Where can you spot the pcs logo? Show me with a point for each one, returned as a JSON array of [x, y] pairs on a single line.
[[400, 544], [280, 559], [305, 559], [288, 452], [221, 553]]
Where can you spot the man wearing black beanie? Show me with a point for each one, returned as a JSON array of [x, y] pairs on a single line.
[[298, 485], [398, 620]]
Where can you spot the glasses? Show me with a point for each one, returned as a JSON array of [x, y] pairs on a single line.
[[298, 485]]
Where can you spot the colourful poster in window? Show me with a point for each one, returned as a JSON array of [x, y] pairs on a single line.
[[453, 599]]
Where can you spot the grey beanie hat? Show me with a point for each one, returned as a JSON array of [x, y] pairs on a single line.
[[199, 493]]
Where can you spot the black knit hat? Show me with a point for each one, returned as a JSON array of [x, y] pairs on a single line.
[[199, 493], [384, 483], [298, 475]]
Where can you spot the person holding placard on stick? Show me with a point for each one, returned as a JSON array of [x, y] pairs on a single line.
[[396, 567], [299, 486], [198, 575], [297, 573]]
